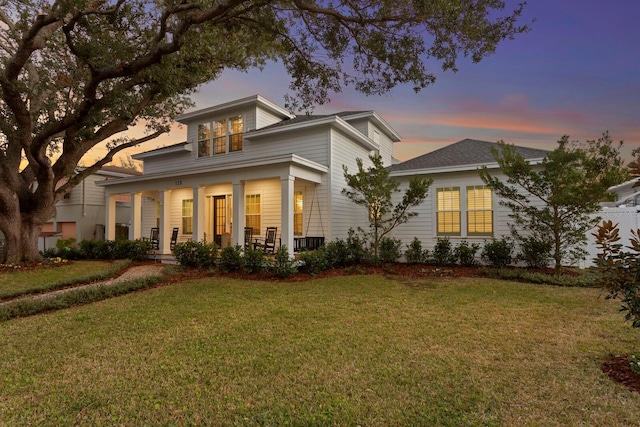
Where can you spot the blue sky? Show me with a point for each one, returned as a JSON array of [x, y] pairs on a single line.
[[577, 72]]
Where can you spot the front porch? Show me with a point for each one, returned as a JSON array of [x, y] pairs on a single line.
[[217, 206]]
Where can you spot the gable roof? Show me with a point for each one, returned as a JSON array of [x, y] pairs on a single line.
[[463, 154], [238, 103]]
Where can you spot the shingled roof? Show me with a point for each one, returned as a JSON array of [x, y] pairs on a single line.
[[461, 153]]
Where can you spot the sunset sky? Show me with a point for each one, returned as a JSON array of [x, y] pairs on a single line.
[[577, 72]]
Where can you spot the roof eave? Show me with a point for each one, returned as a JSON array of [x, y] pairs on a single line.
[[449, 169], [257, 99], [162, 151]]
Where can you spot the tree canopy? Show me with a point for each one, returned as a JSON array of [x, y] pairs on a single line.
[[553, 204], [76, 73]]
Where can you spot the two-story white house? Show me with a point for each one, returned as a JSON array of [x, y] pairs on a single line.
[[250, 163]]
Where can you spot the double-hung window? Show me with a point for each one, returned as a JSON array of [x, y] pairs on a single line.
[[478, 218], [479, 211], [448, 211], [252, 212], [187, 216], [204, 139], [235, 133], [220, 136]]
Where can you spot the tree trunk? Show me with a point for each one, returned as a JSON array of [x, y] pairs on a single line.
[[22, 244], [21, 232]]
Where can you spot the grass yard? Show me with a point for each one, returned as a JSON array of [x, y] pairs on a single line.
[[18, 283], [358, 350]]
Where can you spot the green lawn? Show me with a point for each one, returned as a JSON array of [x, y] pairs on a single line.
[[29, 281], [360, 350]]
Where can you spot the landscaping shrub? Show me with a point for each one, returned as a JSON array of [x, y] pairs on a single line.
[[536, 253], [72, 297], [389, 251], [96, 249], [357, 248], [50, 253], [253, 260], [63, 249], [337, 253], [135, 250], [443, 253], [497, 252], [465, 253], [196, 254], [231, 258], [414, 253], [314, 261], [282, 265]]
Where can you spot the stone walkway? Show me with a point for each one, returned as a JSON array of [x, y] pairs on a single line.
[[132, 273]]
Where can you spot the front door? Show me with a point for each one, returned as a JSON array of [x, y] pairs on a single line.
[[219, 218]]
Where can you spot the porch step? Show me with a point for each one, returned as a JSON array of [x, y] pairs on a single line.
[[164, 258]]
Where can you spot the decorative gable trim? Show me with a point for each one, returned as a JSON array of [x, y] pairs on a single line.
[[187, 118]]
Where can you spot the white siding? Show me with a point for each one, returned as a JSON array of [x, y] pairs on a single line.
[[311, 144], [171, 161], [264, 118], [270, 196], [149, 219], [424, 225], [344, 213], [315, 213]]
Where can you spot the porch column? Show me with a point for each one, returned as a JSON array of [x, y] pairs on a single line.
[[110, 218], [286, 212], [238, 213], [198, 213], [165, 221], [136, 216]]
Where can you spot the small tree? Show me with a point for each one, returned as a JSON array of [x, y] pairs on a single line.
[[373, 189], [555, 202]]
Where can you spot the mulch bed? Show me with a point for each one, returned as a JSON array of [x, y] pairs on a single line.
[[619, 370]]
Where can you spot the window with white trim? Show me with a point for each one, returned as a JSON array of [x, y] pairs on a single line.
[[479, 211], [252, 212], [297, 213], [220, 136], [187, 216], [204, 139], [448, 211]]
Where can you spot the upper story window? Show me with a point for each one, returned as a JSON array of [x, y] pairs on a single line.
[[220, 136]]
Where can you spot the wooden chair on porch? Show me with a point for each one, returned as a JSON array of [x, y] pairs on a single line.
[[248, 237], [269, 244], [174, 239], [155, 238]]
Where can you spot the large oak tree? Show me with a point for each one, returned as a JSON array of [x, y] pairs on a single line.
[[76, 73]]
